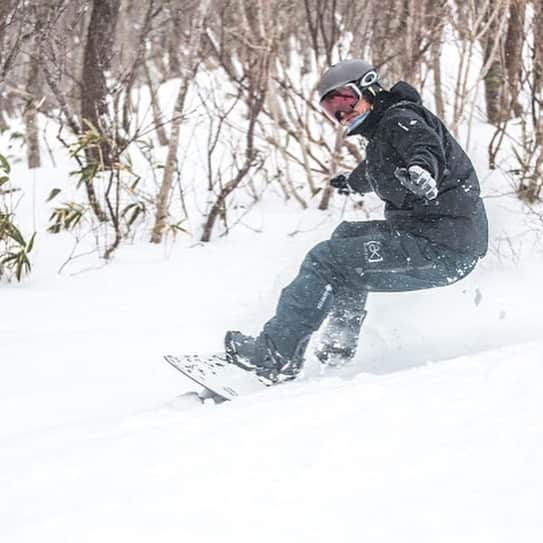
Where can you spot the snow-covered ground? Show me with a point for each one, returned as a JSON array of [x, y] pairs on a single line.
[[435, 435], [438, 437]]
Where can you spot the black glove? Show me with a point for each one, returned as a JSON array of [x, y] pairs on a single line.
[[341, 183], [418, 181]]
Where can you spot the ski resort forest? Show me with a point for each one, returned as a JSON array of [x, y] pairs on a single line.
[[176, 118], [164, 169]]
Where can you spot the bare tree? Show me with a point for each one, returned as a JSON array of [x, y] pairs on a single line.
[[188, 72], [514, 42], [99, 59], [495, 16], [30, 115], [529, 153], [94, 88], [260, 47], [14, 33], [322, 24], [437, 19]]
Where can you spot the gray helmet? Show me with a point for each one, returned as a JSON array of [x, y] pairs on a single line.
[[347, 71]]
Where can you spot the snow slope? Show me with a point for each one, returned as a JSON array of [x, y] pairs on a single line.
[[447, 452], [435, 436]]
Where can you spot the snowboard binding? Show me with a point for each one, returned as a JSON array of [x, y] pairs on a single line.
[[339, 339], [259, 355]]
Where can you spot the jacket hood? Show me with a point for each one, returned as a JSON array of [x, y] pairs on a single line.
[[404, 91]]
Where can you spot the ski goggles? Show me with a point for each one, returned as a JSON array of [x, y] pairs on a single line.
[[342, 100]]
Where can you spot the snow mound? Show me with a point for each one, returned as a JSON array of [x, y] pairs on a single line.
[[442, 452]]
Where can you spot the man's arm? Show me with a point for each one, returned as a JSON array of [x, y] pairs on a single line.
[[418, 181], [417, 143], [358, 179], [419, 146]]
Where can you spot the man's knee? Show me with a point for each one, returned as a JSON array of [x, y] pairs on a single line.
[[331, 264], [319, 255], [322, 260]]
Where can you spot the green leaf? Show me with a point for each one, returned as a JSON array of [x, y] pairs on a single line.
[[23, 266], [9, 258], [16, 235], [30, 243], [53, 194], [178, 227], [135, 215], [4, 164], [65, 218], [128, 208], [16, 136], [88, 172], [19, 270], [137, 209], [3, 180], [54, 228]]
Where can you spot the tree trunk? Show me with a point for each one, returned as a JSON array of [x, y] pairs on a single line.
[[435, 23], [31, 114], [438, 86], [534, 188], [170, 165], [96, 62], [494, 78], [94, 91], [513, 52], [493, 85], [155, 108], [538, 50]]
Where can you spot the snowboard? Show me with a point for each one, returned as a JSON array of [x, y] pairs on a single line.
[[214, 373]]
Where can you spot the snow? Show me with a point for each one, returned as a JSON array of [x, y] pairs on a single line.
[[446, 452], [435, 435]]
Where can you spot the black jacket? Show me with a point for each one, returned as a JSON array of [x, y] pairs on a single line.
[[402, 132]]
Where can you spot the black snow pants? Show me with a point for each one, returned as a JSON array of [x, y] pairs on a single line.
[[359, 257]]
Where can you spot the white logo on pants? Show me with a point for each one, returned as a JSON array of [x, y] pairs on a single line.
[[327, 291], [374, 251]]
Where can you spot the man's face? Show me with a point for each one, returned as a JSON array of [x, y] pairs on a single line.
[[361, 107]]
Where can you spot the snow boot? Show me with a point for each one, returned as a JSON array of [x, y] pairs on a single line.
[[260, 355], [339, 339]]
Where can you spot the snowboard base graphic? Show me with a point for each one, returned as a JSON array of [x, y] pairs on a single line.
[[214, 373]]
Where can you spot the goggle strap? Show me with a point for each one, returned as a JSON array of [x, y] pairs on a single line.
[[369, 79]]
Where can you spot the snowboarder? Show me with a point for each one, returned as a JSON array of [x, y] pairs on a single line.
[[435, 228]]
